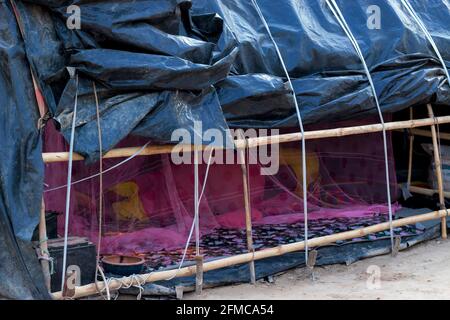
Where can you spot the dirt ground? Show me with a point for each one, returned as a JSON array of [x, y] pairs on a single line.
[[420, 272]]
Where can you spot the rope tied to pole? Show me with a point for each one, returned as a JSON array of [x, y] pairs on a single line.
[[45, 255]]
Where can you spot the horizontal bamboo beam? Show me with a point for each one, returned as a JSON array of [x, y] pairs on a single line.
[[91, 289], [50, 157], [427, 191], [427, 133]]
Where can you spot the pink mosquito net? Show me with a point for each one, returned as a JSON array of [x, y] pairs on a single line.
[[149, 201]]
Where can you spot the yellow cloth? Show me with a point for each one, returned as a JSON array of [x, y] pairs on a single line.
[[130, 208], [292, 157]]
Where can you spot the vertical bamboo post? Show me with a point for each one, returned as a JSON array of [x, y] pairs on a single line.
[[411, 145], [43, 247], [198, 274], [438, 168], [198, 256], [248, 215]]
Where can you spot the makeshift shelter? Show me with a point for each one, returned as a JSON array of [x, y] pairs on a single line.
[[337, 89]]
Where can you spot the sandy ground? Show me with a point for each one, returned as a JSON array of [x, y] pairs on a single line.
[[420, 272]]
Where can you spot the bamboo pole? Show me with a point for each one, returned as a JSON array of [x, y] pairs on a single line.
[[411, 145], [114, 284], [248, 214], [198, 256], [427, 133], [438, 168], [50, 157], [43, 246], [198, 274], [427, 191]]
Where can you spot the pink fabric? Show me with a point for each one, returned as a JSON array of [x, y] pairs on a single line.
[[156, 211], [236, 219]]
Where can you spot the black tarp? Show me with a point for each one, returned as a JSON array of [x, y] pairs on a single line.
[[162, 81], [21, 167], [327, 74], [148, 55]]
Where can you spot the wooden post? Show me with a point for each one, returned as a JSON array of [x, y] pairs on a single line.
[[438, 168], [427, 192], [427, 133], [198, 274], [411, 145], [198, 256], [248, 211], [43, 247]]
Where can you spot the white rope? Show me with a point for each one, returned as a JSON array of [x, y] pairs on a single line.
[[100, 197], [137, 281], [206, 175], [69, 179], [108, 294], [342, 22], [300, 122]]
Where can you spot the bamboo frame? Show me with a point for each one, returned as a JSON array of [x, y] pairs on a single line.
[[91, 289], [417, 189], [50, 157], [426, 133], [438, 167], [198, 256], [248, 214], [437, 163], [427, 191], [198, 274], [411, 146], [266, 253]]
